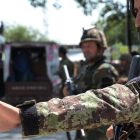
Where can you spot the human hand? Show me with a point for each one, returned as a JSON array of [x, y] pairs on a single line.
[[65, 91], [110, 132], [122, 80]]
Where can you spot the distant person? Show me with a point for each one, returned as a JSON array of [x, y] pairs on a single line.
[[133, 53], [68, 63], [125, 61]]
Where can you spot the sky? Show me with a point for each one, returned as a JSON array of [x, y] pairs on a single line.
[[63, 26]]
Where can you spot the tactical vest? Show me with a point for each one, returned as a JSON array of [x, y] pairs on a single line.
[[91, 79]]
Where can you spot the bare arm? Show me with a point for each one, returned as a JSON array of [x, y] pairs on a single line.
[[9, 117]]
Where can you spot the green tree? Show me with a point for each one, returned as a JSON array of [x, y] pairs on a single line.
[[38, 3], [42, 3], [118, 49], [113, 23], [19, 33], [116, 32], [112, 17], [87, 5]]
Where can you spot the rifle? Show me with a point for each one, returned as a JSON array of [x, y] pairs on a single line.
[[71, 91], [118, 128], [69, 83]]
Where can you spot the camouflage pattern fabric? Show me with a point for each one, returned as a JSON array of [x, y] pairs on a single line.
[[123, 75], [99, 75], [70, 65], [93, 34], [123, 69], [92, 109]]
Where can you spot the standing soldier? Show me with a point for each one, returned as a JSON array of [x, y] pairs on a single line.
[[125, 61], [98, 73], [68, 63]]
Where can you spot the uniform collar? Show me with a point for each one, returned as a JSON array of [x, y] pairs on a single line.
[[100, 60]]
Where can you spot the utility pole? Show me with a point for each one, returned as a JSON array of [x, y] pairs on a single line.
[[128, 26]]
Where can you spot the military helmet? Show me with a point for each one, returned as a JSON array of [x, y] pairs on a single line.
[[132, 7], [95, 35], [126, 57]]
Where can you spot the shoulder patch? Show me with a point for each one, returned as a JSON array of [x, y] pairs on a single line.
[[105, 65], [108, 66]]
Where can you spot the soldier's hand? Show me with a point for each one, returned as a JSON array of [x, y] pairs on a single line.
[[122, 80], [110, 132], [65, 91]]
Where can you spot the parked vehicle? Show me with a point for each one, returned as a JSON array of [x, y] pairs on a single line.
[[28, 72]]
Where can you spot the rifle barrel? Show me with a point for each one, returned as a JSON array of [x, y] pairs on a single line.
[[66, 72]]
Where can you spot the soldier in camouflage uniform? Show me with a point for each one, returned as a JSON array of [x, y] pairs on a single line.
[[64, 61], [125, 61], [95, 108], [98, 73], [68, 63]]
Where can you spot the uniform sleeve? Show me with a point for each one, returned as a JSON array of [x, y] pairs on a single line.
[[94, 108]]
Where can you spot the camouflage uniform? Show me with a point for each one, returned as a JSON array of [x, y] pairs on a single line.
[[95, 108], [124, 69], [99, 75]]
